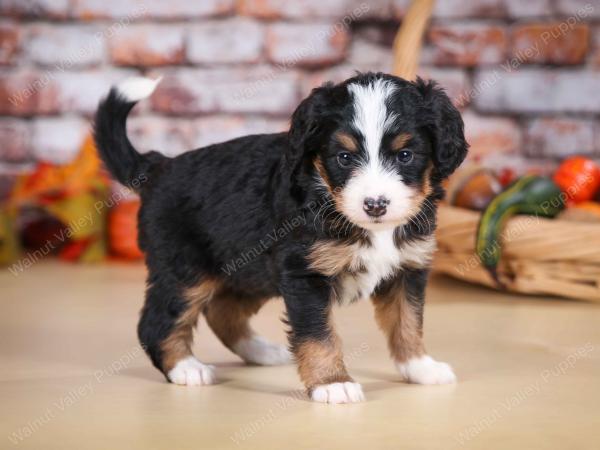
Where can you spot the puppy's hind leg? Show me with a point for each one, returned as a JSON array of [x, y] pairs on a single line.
[[166, 330], [229, 318]]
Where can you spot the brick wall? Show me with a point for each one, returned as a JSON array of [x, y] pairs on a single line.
[[525, 73]]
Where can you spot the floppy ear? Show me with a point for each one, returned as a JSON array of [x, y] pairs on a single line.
[[446, 127], [307, 125]]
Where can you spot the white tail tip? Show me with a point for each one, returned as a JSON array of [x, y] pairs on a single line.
[[137, 88]]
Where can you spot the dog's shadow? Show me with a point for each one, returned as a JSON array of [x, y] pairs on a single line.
[[381, 382], [151, 374], [376, 381]]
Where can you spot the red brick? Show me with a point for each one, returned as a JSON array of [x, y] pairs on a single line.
[[190, 9], [559, 137], [580, 10], [554, 43], [263, 9], [306, 44], [454, 81], [170, 136], [132, 10], [375, 32], [10, 38], [215, 129], [173, 136], [266, 90], [81, 91], [58, 139], [336, 74], [148, 45], [366, 55], [537, 90], [226, 41], [361, 10], [468, 44], [456, 8], [26, 92], [65, 47], [15, 136], [51, 9], [531, 8], [311, 9], [460, 8], [491, 136], [595, 50]]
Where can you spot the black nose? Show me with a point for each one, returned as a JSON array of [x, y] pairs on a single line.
[[376, 208]]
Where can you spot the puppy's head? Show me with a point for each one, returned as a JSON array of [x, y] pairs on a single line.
[[377, 145]]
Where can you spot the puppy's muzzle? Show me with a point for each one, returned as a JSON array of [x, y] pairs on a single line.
[[376, 207]]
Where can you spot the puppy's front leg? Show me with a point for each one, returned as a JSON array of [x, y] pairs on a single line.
[[399, 313], [315, 344]]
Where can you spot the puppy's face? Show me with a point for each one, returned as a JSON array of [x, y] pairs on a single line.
[[376, 142], [375, 162]]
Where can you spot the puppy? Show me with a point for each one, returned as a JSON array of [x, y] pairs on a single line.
[[341, 208]]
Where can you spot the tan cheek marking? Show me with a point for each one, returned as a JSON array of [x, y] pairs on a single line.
[[427, 188], [330, 258], [400, 141], [336, 194], [321, 362], [177, 345], [347, 141], [399, 322], [323, 174], [419, 197]]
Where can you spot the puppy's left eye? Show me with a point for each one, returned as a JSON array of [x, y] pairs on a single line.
[[404, 156]]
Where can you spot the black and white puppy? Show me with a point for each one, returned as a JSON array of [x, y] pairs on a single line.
[[341, 208]]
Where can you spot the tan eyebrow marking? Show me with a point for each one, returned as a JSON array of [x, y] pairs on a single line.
[[347, 141], [401, 140]]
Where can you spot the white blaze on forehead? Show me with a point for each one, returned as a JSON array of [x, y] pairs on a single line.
[[371, 117], [373, 178]]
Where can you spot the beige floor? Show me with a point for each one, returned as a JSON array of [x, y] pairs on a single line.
[[73, 376]]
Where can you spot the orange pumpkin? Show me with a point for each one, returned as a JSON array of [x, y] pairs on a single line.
[[122, 230]]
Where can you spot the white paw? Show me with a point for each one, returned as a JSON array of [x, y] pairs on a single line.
[[347, 392], [257, 350], [426, 370], [191, 372]]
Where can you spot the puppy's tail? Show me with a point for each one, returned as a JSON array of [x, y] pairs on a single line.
[[110, 132]]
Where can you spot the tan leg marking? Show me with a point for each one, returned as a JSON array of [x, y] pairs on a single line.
[[321, 362], [401, 325], [177, 345]]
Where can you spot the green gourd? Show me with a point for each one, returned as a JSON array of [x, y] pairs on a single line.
[[531, 194]]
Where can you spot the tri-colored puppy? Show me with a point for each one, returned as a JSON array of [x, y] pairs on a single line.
[[341, 208]]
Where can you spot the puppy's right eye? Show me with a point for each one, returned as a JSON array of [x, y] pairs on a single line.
[[345, 159]]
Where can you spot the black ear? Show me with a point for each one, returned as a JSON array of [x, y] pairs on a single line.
[[446, 127], [307, 124]]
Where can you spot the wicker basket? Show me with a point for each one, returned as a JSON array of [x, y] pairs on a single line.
[[540, 256]]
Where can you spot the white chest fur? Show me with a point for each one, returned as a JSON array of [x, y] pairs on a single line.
[[372, 264]]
